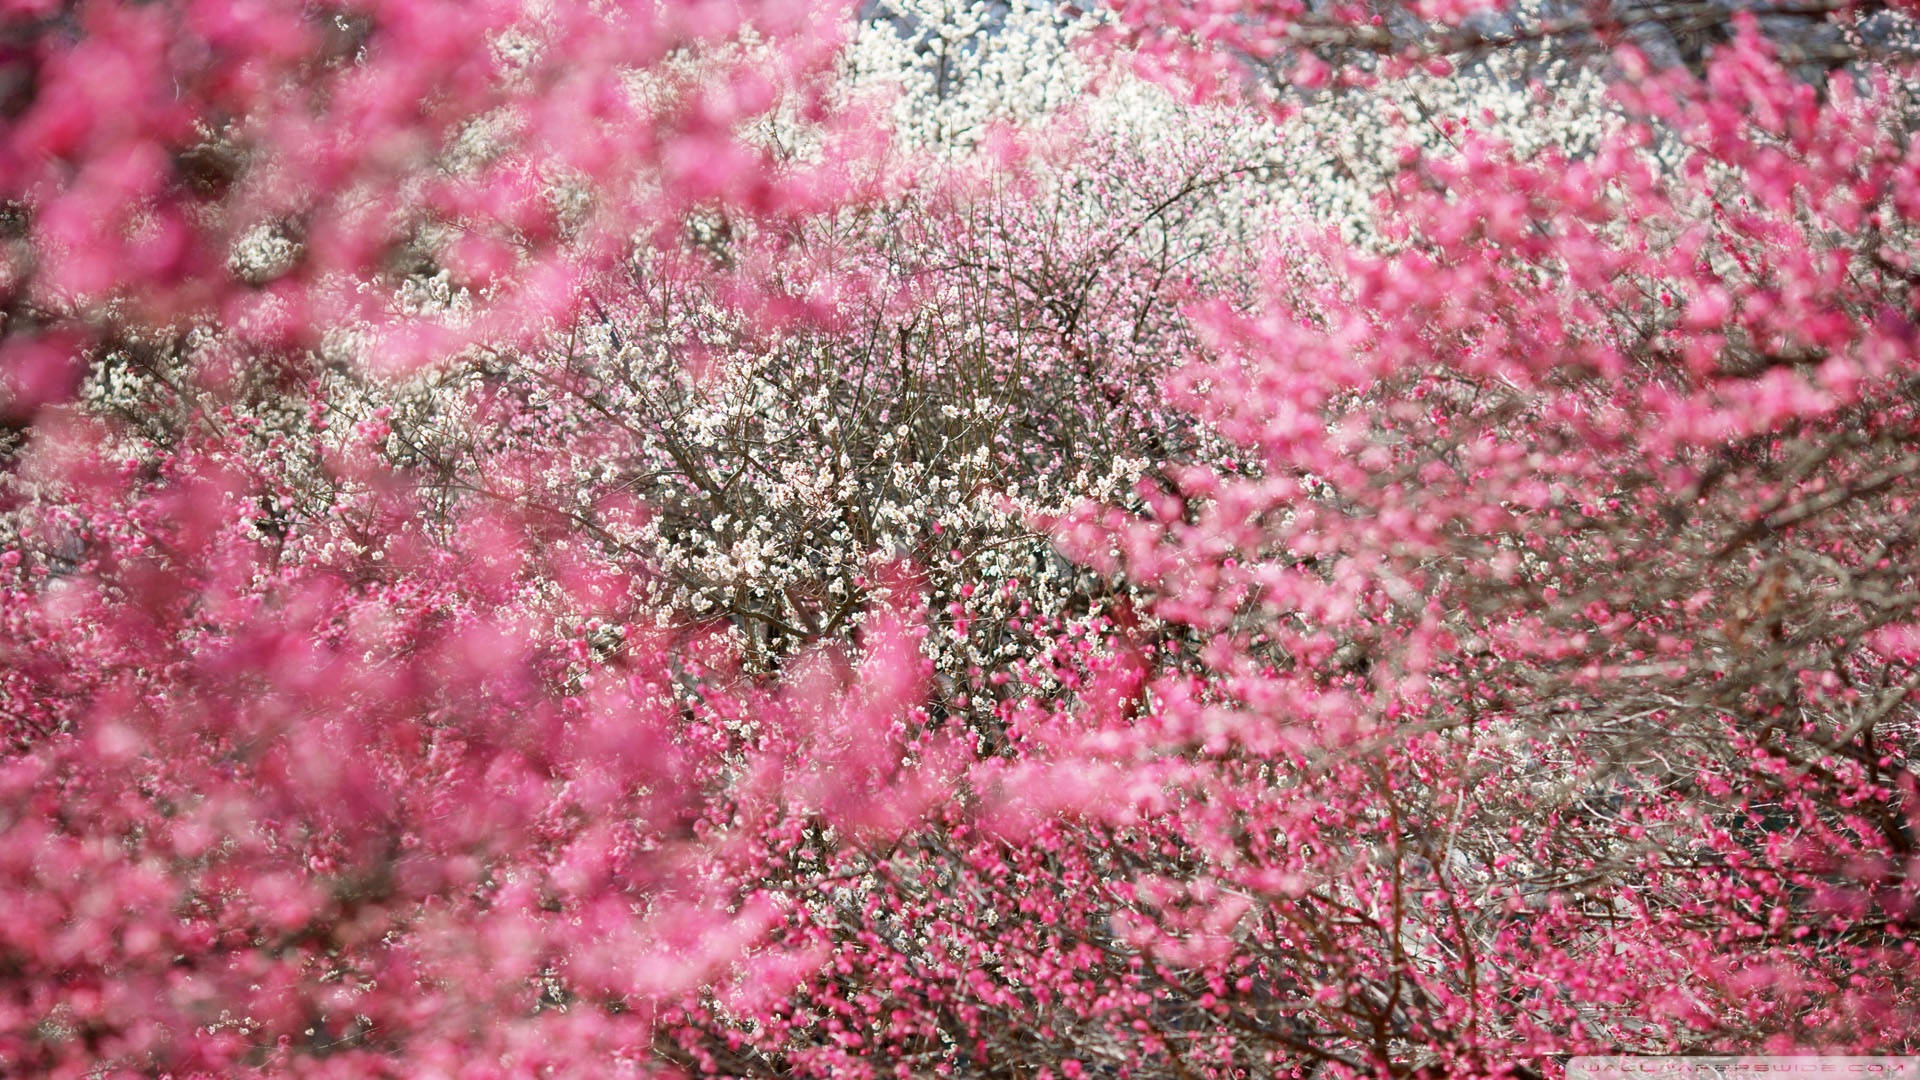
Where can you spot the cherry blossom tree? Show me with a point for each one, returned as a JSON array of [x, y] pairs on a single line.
[[736, 539], [286, 169], [1533, 685], [307, 773]]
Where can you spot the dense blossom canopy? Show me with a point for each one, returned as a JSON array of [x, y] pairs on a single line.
[[743, 538]]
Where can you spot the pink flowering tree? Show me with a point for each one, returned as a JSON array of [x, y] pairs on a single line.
[[1535, 682], [310, 769], [584, 539], [378, 812], [285, 170]]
